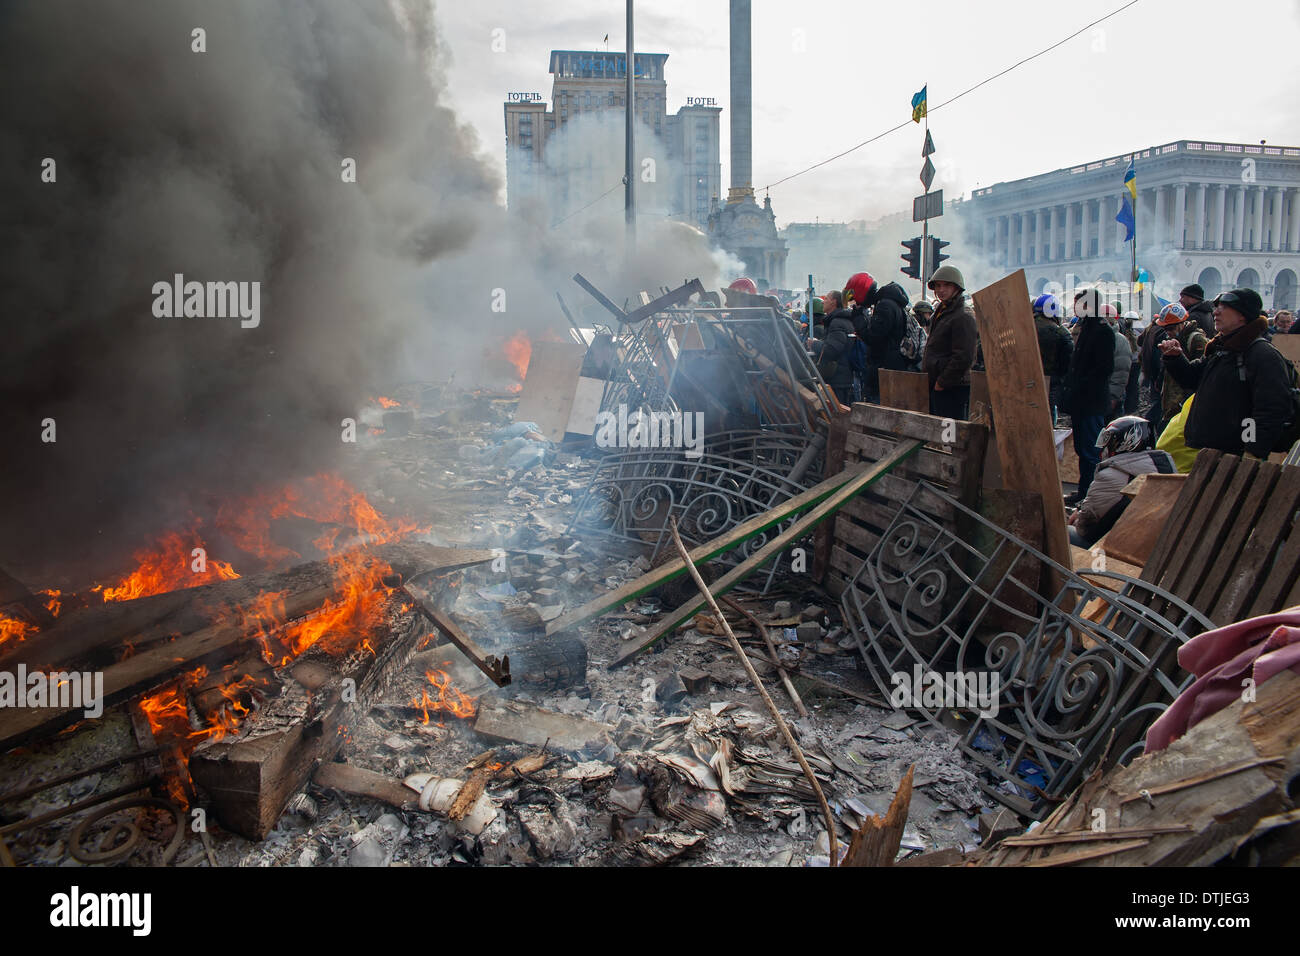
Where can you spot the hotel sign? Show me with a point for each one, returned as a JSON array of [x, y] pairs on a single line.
[[701, 101]]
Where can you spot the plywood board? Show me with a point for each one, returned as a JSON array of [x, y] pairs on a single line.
[[909, 391], [1288, 345], [1134, 535], [1021, 413], [586, 403], [549, 387]]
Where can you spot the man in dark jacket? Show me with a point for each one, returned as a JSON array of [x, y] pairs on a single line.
[[1055, 346], [1242, 385], [832, 353], [950, 349], [1086, 393], [1192, 298], [882, 330]]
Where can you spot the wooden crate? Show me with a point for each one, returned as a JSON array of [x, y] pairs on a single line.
[[872, 431]]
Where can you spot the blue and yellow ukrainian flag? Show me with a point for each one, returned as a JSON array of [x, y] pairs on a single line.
[[1129, 197], [918, 105]]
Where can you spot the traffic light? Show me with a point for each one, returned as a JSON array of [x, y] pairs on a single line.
[[912, 257], [936, 254]]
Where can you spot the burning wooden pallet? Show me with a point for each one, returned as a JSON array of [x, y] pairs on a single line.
[[251, 681]]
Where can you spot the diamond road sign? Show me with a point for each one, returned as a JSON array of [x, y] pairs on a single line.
[[928, 148], [927, 173], [929, 206]]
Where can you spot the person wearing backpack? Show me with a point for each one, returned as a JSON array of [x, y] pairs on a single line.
[[880, 323], [833, 353], [1245, 398]]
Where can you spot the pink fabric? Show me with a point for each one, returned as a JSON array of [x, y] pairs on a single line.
[[1255, 648]]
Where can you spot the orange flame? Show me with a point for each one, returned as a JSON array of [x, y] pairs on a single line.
[[14, 629], [53, 605], [449, 700], [519, 350], [385, 402], [167, 567]]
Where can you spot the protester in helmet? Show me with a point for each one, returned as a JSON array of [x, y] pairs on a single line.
[[1126, 451], [833, 350], [880, 323], [1055, 346], [744, 284], [923, 311], [950, 348], [1128, 328], [1085, 394], [1172, 322]]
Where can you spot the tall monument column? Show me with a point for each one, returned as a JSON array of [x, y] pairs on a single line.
[[742, 129]]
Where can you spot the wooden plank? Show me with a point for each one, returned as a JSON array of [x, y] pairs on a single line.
[[909, 391], [1133, 536], [1204, 543], [1229, 589], [1021, 412], [1171, 538], [895, 421], [251, 778], [1273, 563], [932, 465], [550, 386], [359, 782], [876, 842], [1289, 346], [707, 551], [836, 459], [774, 547], [149, 669]]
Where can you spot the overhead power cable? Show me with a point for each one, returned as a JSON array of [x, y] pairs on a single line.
[[908, 122]]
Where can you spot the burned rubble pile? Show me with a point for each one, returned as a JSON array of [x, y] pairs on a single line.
[[496, 637]]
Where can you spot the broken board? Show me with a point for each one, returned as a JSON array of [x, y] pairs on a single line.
[[1021, 413], [1133, 537], [909, 391], [550, 387]]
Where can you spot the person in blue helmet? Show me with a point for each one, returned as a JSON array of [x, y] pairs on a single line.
[[1055, 346]]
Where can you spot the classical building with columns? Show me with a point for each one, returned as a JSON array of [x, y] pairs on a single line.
[[1222, 214]]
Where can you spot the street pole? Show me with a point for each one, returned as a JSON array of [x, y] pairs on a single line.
[[925, 223], [808, 308], [630, 177]]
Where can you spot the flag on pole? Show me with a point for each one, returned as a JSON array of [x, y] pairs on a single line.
[[918, 105], [1125, 218], [1129, 200]]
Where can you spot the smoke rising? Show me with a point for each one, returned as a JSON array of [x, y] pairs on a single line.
[[227, 166]]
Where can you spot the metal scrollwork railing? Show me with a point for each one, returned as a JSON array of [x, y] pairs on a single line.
[[1049, 686]]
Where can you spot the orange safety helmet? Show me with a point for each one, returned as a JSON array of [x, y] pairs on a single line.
[[856, 289], [744, 284]]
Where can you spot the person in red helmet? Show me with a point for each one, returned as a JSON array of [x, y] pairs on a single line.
[[744, 284], [881, 329]]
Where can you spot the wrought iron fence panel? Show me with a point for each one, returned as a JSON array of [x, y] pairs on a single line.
[[1063, 678]]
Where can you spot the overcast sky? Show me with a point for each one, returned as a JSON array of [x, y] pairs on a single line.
[[1162, 70]]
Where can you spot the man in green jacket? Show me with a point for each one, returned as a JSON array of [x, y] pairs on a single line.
[[950, 348]]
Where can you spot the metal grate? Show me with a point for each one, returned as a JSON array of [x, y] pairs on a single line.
[[1075, 678]]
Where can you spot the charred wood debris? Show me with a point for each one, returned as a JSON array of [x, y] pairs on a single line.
[[544, 679]]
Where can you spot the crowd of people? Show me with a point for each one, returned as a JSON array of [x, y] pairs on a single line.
[[1138, 398]]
